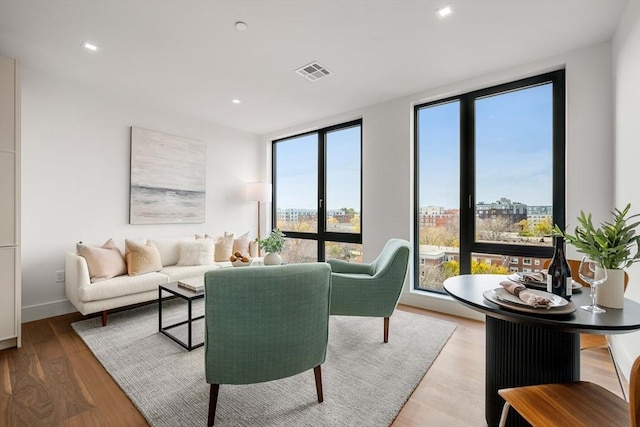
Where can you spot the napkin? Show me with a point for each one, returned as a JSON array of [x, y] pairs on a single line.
[[538, 277], [525, 294]]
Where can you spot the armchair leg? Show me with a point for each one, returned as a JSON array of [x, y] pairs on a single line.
[[386, 329], [318, 374], [213, 402], [104, 318]]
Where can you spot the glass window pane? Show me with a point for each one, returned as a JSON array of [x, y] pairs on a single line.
[[514, 167], [439, 192], [343, 180], [351, 252], [299, 250], [297, 183]]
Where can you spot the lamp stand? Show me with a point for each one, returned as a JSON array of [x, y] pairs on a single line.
[[258, 226]]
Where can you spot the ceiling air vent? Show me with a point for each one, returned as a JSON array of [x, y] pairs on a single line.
[[313, 71]]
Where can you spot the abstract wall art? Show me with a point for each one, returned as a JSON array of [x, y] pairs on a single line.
[[168, 179]]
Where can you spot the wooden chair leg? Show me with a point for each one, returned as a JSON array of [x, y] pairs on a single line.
[[213, 402], [104, 318], [318, 374], [386, 329]]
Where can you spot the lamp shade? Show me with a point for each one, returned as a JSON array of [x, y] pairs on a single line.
[[258, 192]]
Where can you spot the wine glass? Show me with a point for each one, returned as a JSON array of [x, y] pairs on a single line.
[[593, 273]]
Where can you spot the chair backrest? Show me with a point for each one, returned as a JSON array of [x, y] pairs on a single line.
[[265, 323], [634, 393], [393, 259], [574, 264]]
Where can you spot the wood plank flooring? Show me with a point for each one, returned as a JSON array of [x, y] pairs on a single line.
[[54, 380]]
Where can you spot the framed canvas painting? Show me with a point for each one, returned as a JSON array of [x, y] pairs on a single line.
[[167, 179]]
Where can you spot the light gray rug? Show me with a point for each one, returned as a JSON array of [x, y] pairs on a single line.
[[366, 382]]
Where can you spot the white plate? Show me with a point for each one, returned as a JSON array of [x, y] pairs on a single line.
[[516, 277], [504, 295]]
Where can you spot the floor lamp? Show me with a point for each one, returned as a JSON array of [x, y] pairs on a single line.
[[258, 192]]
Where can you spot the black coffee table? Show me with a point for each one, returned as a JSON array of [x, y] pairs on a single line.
[[188, 296]]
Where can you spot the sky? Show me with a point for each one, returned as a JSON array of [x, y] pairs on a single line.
[[297, 170], [513, 156], [513, 153]]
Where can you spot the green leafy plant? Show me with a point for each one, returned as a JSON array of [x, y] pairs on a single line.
[[274, 242], [613, 242]]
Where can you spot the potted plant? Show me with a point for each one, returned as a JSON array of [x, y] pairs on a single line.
[[272, 244], [614, 243]]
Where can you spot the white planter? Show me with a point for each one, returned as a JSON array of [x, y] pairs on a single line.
[[611, 293], [272, 258]]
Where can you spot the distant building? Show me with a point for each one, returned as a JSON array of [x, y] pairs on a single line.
[[503, 208], [435, 216], [536, 214], [294, 215]]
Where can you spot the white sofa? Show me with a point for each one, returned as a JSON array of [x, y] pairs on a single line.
[[124, 290]]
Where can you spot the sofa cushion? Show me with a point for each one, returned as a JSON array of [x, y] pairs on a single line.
[[241, 244], [197, 252], [169, 249], [142, 258], [121, 286], [175, 272], [103, 263], [224, 247]]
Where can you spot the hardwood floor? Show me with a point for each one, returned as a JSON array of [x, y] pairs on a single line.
[[54, 380]]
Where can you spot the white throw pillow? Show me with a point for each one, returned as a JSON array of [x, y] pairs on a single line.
[[198, 252]]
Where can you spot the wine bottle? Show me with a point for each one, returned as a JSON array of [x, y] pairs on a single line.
[[559, 275]]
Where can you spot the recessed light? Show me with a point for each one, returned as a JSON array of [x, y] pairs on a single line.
[[236, 101], [444, 11], [90, 46], [241, 26]]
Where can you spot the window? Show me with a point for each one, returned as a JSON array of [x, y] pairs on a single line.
[[489, 178], [317, 193], [526, 261]]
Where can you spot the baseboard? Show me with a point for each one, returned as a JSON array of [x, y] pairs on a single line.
[[624, 352], [49, 309], [8, 343]]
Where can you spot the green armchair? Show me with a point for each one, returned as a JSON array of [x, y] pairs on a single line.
[[265, 323], [370, 289]]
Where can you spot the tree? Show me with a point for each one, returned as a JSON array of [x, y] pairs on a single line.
[[525, 228], [494, 229], [543, 228]]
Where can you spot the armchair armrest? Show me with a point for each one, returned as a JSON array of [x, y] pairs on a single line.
[[339, 266]]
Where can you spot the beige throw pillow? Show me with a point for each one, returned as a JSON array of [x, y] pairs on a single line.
[[241, 244], [199, 252], [224, 247], [103, 263], [142, 258]]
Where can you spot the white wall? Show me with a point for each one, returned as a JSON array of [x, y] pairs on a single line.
[[388, 142], [626, 65], [75, 178]]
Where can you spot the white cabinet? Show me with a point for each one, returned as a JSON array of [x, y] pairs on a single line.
[[10, 305]]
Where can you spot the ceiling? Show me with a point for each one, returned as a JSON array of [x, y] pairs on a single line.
[[189, 57]]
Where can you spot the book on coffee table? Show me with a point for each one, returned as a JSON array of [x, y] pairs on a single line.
[[193, 283]]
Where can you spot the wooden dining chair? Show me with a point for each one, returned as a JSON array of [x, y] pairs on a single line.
[[593, 341], [578, 403]]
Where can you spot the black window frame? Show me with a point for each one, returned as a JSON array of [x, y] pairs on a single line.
[[468, 245], [321, 236]]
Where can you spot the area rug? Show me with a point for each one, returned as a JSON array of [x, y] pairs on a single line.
[[366, 382]]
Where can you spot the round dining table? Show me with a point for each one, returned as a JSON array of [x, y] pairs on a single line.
[[526, 346]]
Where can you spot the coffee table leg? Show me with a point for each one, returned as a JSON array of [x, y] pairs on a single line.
[[159, 309], [189, 325]]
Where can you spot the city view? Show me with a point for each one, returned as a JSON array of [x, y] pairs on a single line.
[[503, 154]]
